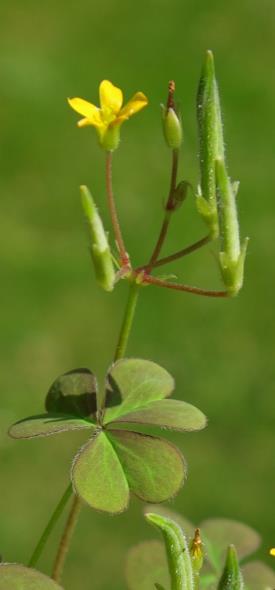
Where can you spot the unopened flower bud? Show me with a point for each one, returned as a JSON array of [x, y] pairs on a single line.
[[171, 121], [231, 578], [196, 552], [172, 129], [101, 254], [232, 255]]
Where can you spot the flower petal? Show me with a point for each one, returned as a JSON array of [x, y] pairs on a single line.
[[84, 122], [87, 109], [137, 102], [111, 97]]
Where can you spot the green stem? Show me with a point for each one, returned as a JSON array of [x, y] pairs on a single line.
[[127, 321], [47, 531], [66, 539]]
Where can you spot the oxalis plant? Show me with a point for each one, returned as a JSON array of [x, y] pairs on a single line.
[[118, 459]]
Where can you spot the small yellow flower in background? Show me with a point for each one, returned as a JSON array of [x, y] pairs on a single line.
[[272, 551], [108, 118]]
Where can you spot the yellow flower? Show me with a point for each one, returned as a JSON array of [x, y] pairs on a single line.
[[272, 551], [108, 118]]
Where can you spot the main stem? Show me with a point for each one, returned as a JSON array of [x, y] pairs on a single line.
[[127, 321], [119, 353]]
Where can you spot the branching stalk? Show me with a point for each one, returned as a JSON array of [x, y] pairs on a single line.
[[168, 212], [180, 254], [148, 279]]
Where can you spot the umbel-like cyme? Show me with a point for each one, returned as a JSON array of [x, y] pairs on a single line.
[[216, 195]]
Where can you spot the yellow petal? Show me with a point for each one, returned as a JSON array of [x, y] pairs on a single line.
[[111, 97], [137, 102], [118, 121], [272, 552], [87, 109], [84, 122]]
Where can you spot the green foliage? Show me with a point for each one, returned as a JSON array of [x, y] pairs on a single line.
[[172, 414], [98, 476], [217, 534], [146, 563], [114, 462], [47, 424], [137, 382], [18, 577], [154, 467], [73, 393], [258, 576]]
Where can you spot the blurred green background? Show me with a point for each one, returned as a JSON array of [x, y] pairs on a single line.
[[53, 316]]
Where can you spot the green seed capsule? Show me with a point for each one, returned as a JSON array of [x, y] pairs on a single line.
[[232, 255], [101, 254], [231, 577], [211, 144], [177, 550]]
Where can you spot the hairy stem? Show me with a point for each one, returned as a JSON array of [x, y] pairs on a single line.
[[48, 529], [127, 321], [184, 252], [179, 254], [66, 539], [124, 258], [147, 279], [168, 212]]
